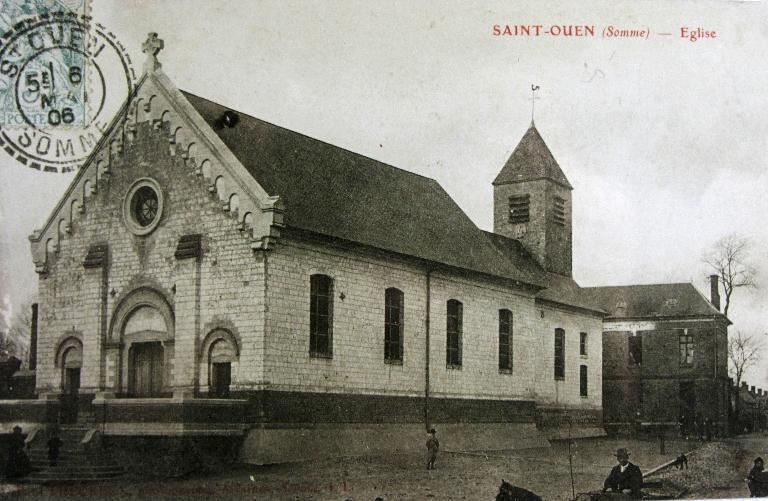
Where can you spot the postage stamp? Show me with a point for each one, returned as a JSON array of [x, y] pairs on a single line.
[[62, 79]]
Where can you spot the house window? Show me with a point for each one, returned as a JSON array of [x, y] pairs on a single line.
[[559, 354], [393, 325], [558, 211], [505, 340], [686, 349], [321, 316], [453, 334], [519, 206], [636, 350], [583, 381], [583, 344]]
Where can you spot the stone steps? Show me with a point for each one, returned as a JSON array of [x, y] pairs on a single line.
[[74, 464]]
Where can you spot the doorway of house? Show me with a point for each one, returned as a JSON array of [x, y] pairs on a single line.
[[146, 370], [687, 404]]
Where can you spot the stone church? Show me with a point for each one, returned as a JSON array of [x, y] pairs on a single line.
[[209, 274]]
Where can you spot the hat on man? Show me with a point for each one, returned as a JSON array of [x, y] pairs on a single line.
[[432, 430], [621, 453]]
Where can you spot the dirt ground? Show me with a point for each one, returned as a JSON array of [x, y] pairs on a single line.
[[471, 476]]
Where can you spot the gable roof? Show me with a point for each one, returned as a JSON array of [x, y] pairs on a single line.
[[560, 289], [331, 191], [653, 300], [531, 160]]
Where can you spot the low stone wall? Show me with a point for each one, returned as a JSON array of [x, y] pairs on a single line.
[[26, 413], [307, 407]]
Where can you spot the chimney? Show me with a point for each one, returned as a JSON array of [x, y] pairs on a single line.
[[744, 385], [751, 389], [33, 339], [714, 292]]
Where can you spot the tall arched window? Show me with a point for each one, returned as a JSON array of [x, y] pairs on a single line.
[[505, 340], [454, 318], [393, 325], [321, 316], [559, 354]]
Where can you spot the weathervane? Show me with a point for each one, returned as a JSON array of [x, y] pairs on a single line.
[[534, 88]]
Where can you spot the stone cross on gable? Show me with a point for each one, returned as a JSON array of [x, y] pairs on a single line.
[[152, 47]]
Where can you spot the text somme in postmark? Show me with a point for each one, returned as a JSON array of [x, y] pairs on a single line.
[[63, 78]]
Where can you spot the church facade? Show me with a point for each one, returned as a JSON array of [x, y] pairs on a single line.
[[209, 274]]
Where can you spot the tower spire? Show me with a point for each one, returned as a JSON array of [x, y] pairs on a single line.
[[534, 88]]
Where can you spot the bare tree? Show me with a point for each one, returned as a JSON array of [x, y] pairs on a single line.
[[743, 353], [17, 337], [729, 258]]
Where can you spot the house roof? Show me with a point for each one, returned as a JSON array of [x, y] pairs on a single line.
[[560, 288], [653, 300], [531, 160], [332, 191]]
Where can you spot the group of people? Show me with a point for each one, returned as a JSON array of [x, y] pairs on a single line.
[[700, 428], [18, 464]]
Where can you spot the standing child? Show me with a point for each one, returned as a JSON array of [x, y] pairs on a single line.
[[54, 444], [432, 446]]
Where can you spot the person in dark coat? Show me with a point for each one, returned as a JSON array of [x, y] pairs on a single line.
[[756, 480], [624, 476], [54, 444], [18, 465], [432, 447]]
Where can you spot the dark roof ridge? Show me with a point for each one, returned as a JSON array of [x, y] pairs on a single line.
[[310, 137], [336, 192], [638, 285]]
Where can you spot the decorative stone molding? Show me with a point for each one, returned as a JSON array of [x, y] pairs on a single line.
[[97, 257], [189, 246], [67, 340], [131, 211]]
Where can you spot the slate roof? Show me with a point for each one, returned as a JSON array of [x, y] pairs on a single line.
[[654, 300], [332, 191], [530, 160], [560, 289]]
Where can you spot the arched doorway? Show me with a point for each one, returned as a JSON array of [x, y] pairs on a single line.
[[71, 363], [222, 355], [219, 359], [144, 333]]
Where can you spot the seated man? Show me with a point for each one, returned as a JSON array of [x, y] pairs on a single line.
[[624, 476]]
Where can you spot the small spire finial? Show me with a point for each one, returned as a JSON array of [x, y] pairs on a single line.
[[152, 47], [534, 88]]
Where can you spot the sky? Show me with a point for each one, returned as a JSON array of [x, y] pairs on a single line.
[[663, 138]]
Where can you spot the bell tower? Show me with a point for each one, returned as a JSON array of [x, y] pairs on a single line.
[[532, 204]]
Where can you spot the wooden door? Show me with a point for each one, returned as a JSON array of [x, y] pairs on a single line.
[[147, 370], [69, 401]]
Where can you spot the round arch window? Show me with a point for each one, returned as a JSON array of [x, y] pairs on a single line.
[[143, 206]]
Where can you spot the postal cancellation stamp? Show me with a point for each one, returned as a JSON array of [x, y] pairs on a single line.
[[62, 77]]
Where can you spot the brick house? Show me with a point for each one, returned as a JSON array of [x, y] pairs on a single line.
[[752, 408], [665, 356], [211, 274]]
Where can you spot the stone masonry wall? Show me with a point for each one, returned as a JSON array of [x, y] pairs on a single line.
[[228, 292], [653, 388], [358, 332]]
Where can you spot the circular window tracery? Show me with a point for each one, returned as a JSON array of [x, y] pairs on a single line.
[[143, 206]]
